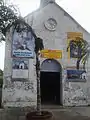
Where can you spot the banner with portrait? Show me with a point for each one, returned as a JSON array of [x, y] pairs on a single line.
[[72, 47], [23, 44]]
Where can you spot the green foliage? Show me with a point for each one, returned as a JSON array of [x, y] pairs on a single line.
[[7, 17], [38, 44]]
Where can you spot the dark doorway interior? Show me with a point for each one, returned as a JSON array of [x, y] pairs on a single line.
[[50, 87]]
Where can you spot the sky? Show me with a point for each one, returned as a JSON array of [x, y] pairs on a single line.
[[78, 9]]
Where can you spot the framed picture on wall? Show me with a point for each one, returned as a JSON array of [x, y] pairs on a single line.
[[76, 75], [72, 47], [20, 68], [23, 44]]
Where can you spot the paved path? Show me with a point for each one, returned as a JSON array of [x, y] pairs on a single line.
[[76, 113]]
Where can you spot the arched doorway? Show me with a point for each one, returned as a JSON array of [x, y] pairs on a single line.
[[51, 82]]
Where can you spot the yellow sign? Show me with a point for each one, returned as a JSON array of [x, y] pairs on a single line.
[[72, 36], [57, 54]]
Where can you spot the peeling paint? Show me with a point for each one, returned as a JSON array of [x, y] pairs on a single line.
[[18, 93]]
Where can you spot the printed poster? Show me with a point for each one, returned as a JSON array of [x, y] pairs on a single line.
[[23, 44], [76, 75], [20, 68], [73, 49]]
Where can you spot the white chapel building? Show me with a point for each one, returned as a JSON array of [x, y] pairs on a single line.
[[58, 86]]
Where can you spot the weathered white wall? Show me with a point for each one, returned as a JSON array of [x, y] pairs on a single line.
[[74, 93], [18, 93]]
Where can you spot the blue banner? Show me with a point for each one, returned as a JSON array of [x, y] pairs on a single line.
[[23, 44]]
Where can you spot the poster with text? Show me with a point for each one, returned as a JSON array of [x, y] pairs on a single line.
[[20, 68], [23, 44], [73, 48]]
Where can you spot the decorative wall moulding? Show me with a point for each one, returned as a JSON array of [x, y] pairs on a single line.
[[50, 24]]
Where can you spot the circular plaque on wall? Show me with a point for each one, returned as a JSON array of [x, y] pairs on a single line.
[[51, 24]]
